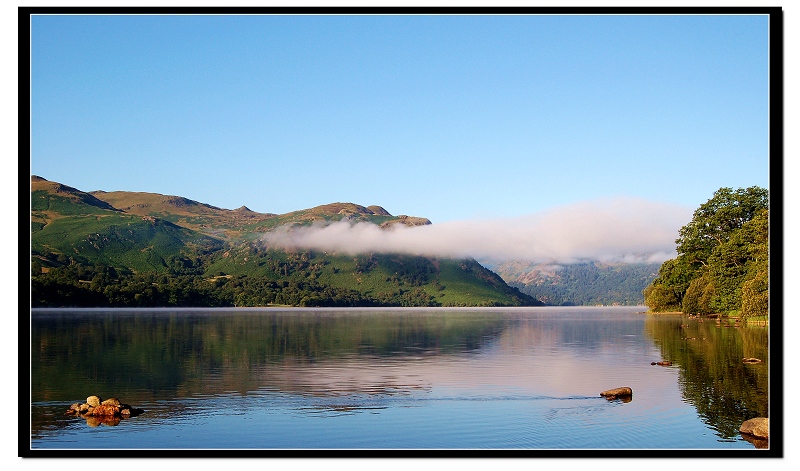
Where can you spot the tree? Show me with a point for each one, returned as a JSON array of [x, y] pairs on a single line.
[[723, 258], [698, 296], [715, 220], [755, 296], [666, 291]]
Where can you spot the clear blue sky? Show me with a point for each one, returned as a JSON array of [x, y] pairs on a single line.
[[445, 117]]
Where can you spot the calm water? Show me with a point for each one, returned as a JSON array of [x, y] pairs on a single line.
[[519, 378]]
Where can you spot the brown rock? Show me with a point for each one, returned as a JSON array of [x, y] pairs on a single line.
[[105, 410], [758, 427], [111, 402], [617, 393]]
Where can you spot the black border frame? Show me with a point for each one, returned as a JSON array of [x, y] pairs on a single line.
[[777, 178]]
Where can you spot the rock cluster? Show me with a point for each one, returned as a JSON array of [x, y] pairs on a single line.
[[95, 407]]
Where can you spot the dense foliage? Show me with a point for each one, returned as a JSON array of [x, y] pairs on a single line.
[[723, 259], [587, 284], [250, 276]]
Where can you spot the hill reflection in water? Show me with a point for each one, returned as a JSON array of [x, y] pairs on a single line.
[[406, 369]]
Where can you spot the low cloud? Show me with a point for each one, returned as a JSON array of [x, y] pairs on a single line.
[[620, 229]]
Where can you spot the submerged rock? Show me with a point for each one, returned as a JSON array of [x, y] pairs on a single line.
[[617, 393], [757, 427]]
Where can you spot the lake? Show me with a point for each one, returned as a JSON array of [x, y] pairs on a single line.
[[406, 378]]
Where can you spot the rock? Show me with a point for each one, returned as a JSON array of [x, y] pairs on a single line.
[[111, 402], [617, 393], [758, 427], [105, 410], [751, 360]]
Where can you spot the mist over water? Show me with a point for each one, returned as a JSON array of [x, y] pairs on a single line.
[[612, 230]]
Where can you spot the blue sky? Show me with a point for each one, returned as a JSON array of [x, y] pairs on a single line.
[[446, 117]]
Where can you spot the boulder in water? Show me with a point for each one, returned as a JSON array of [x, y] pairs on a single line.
[[617, 393], [758, 427], [106, 412]]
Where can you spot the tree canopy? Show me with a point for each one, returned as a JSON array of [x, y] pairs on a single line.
[[723, 259]]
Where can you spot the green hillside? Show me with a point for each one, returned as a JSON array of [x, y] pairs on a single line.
[[213, 221], [144, 249], [580, 284], [70, 226]]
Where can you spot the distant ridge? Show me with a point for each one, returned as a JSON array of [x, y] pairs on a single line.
[[580, 284]]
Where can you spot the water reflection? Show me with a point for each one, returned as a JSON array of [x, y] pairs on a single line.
[[725, 389], [527, 365], [181, 353]]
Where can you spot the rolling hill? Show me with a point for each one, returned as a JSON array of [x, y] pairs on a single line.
[[143, 249]]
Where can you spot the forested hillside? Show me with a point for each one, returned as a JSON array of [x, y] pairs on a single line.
[[722, 265], [580, 284]]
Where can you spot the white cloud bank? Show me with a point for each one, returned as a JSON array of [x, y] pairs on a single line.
[[620, 229]]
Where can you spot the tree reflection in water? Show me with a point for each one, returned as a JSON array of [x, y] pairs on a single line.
[[713, 376]]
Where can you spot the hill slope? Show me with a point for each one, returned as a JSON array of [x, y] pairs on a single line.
[[581, 284], [71, 226], [145, 249]]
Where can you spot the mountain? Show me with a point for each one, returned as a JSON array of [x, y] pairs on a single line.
[[580, 284], [67, 223], [144, 249]]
